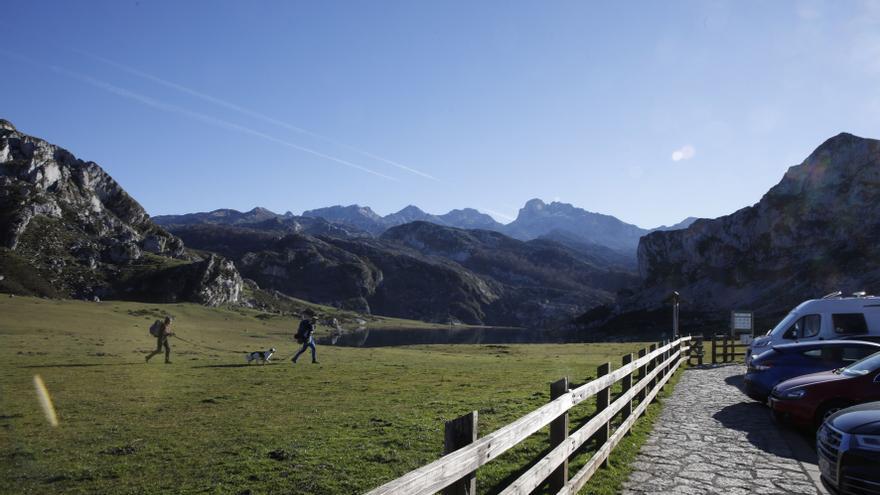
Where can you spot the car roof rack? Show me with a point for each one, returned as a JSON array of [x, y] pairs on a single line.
[[834, 294]]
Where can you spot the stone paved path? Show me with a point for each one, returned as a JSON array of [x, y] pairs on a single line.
[[711, 438]]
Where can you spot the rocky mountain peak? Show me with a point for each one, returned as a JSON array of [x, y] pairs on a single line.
[[833, 164], [80, 234], [411, 209], [533, 205], [537, 218], [7, 125], [365, 211]]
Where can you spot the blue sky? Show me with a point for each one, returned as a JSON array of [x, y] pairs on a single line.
[[649, 111]]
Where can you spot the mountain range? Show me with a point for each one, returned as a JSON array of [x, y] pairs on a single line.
[[67, 229], [421, 270], [535, 220]]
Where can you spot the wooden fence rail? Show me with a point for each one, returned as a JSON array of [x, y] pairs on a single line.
[[652, 370]]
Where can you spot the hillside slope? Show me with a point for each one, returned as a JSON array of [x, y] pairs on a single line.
[[421, 271]]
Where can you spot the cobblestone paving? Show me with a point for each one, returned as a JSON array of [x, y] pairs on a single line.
[[711, 438]]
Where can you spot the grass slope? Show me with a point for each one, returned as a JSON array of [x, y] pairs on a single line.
[[211, 424]]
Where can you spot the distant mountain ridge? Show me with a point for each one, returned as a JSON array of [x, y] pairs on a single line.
[[535, 220], [366, 219], [262, 219]]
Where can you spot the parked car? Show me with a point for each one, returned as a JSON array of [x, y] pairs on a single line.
[[808, 400], [832, 317], [848, 444], [785, 361]]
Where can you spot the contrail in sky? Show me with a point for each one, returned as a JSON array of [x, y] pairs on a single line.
[[146, 100], [245, 111]]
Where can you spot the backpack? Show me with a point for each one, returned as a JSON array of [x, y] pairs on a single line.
[[303, 332], [156, 328]]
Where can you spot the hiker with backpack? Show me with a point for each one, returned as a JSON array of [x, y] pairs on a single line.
[[304, 335], [161, 330]]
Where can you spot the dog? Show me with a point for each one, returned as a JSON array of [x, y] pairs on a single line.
[[259, 356]]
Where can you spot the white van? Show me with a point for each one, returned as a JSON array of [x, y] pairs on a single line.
[[830, 318]]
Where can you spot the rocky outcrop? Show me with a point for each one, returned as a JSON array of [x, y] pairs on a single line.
[[213, 281], [815, 232], [75, 226], [298, 265], [217, 282], [38, 179]]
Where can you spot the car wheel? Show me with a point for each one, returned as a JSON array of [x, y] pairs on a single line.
[[827, 409]]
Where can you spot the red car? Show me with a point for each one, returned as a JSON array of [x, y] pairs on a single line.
[[808, 400]]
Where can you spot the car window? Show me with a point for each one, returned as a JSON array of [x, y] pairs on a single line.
[[832, 354], [805, 327], [813, 353], [810, 326], [782, 328], [849, 323], [865, 366], [855, 353]]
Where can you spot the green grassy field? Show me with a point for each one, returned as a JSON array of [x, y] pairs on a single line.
[[209, 423]]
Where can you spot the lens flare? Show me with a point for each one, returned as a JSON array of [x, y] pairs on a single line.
[[45, 400]]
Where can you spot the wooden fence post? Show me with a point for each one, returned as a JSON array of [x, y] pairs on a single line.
[[651, 365], [700, 351], [666, 355], [602, 401], [459, 432], [660, 359], [725, 351], [642, 372], [626, 384], [714, 347], [558, 434]]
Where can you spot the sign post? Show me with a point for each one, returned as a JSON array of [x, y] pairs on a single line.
[[742, 325], [676, 297]]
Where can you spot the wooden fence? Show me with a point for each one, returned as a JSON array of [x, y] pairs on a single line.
[[726, 349], [455, 473]]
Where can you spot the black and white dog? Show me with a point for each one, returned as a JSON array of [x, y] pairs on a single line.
[[258, 356]]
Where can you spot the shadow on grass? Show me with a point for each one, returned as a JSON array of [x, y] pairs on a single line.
[[235, 365], [82, 365]]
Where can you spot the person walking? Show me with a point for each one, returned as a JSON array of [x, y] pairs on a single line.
[[163, 332], [304, 335]]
